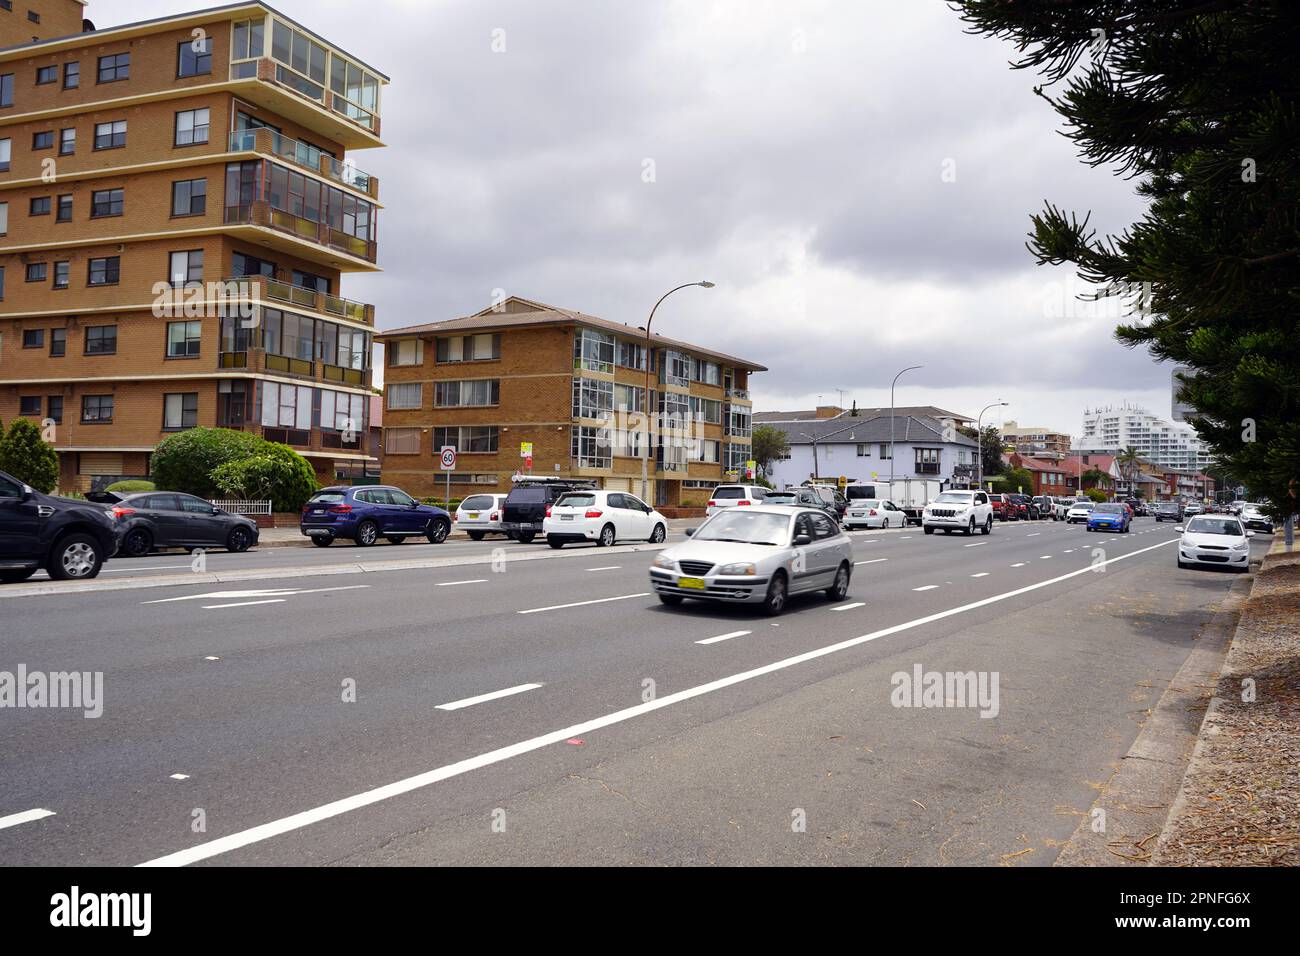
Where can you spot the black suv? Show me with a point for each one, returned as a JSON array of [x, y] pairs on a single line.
[[70, 539], [526, 504], [1168, 511]]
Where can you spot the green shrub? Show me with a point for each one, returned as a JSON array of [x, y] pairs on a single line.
[[131, 485], [28, 457], [1096, 494], [275, 471], [187, 461]]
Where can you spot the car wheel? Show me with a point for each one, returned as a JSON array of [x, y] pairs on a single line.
[[476, 535], [525, 537], [322, 540], [672, 600], [777, 592], [658, 535], [970, 527], [137, 543], [886, 524], [437, 532], [607, 537], [840, 589], [13, 577], [239, 540], [928, 529], [554, 542], [394, 538], [75, 557], [367, 534], [988, 525]]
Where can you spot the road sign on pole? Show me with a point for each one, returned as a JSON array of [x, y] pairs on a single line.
[[447, 460]]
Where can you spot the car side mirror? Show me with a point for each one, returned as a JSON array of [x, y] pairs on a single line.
[[216, 510], [802, 540], [28, 493], [1178, 528], [1250, 534]]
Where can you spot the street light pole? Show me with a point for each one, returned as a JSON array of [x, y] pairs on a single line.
[[979, 443], [891, 424], [645, 410]]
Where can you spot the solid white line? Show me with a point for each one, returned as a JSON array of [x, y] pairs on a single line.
[[561, 607], [850, 607], [611, 567], [982, 574], [27, 816], [481, 698], [447, 584], [156, 567], [217, 607], [872, 561], [297, 821], [926, 587], [724, 637]]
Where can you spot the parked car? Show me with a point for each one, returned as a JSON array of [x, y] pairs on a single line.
[[1079, 511], [833, 497], [69, 539], [874, 513], [999, 504], [604, 517], [480, 515], [1168, 511], [1110, 516], [370, 512], [1044, 506], [1018, 507], [1215, 540], [802, 497], [735, 496], [757, 555], [524, 512], [1253, 517], [1061, 508], [152, 520], [959, 511], [1139, 507]]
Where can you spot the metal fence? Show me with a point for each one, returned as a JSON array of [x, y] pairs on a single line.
[[244, 507]]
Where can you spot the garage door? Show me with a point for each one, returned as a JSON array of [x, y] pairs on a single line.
[[101, 463], [618, 484]]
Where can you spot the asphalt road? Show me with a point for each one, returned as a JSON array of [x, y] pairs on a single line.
[[631, 733]]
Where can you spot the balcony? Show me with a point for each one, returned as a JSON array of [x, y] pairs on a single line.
[[304, 439], [270, 143], [311, 370], [741, 394], [322, 303], [272, 86], [304, 237]]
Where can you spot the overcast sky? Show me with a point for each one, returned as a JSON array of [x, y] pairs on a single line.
[[798, 154]]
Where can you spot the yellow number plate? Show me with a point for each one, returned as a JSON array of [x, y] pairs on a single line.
[[696, 584]]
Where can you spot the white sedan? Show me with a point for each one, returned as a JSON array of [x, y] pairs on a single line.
[[604, 517], [1218, 540], [873, 513], [1079, 511], [479, 515]]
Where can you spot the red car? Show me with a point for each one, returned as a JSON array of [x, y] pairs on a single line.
[[999, 504]]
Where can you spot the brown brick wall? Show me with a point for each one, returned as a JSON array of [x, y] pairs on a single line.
[[58, 18]]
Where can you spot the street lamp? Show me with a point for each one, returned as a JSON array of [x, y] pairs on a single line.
[[891, 424], [645, 447], [979, 442]]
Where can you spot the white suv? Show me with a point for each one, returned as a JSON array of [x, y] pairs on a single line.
[[604, 517], [959, 511], [731, 496]]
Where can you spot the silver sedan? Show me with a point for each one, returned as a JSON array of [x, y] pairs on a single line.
[[758, 555]]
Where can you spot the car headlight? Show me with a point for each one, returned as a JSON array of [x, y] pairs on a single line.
[[740, 568], [1244, 546], [663, 561]]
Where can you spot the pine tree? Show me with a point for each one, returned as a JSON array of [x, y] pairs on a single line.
[[28, 457]]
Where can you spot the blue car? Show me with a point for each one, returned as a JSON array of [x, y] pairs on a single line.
[[1109, 517], [366, 514]]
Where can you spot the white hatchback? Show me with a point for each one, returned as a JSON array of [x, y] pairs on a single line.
[[873, 513], [604, 517], [1215, 540], [479, 515]]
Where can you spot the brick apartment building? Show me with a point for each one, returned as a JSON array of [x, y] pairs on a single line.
[[570, 384], [143, 165]]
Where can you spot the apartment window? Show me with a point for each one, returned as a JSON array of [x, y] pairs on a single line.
[[7, 89], [5, 149], [192, 127], [927, 461], [710, 373], [342, 411], [186, 267], [194, 57], [71, 75], [58, 343], [43, 140], [106, 202], [593, 351], [708, 451], [115, 67], [885, 453], [468, 439], [469, 348], [184, 339], [706, 410], [110, 135], [67, 141], [300, 53], [33, 338], [288, 406], [189, 197], [64, 212], [105, 271], [677, 368], [247, 39], [592, 398], [61, 272], [96, 409], [37, 271], [2, 282], [246, 265], [46, 74], [101, 339], [592, 448], [29, 406], [405, 395], [180, 410], [33, 16], [54, 409], [406, 352], [467, 394], [39, 206], [629, 398], [402, 441], [739, 421], [631, 355], [309, 280]]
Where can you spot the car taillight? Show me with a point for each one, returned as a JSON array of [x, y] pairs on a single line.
[[340, 509], [122, 512], [593, 514], [548, 512], [713, 504], [744, 502], [456, 516], [872, 512], [495, 517]]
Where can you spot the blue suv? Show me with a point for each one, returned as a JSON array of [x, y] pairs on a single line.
[[368, 513]]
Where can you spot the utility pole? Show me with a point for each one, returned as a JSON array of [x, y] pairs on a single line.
[[891, 423]]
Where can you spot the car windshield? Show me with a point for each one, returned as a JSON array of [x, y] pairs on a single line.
[[1085, 505], [1109, 509], [1229, 526], [745, 526], [576, 501], [953, 498]]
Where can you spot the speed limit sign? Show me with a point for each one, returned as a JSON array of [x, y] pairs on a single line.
[[448, 457]]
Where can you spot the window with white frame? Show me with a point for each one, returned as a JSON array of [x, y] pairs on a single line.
[[476, 393], [677, 368], [708, 410], [401, 441], [469, 348], [288, 406], [593, 351], [468, 439], [405, 395], [592, 448], [592, 398], [707, 450], [342, 411], [406, 352]]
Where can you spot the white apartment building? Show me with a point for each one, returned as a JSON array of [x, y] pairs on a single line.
[[1112, 429]]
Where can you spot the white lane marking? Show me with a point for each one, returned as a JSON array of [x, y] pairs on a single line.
[[218, 607], [1069, 550], [305, 818], [180, 776], [483, 698], [975, 545], [872, 561], [263, 592], [561, 607], [982, 574], [1019, 564], [926, 587], [211, 658], [850, 607], [1043, 557], [906, 537], [448, 584], [608, 567], [724, 637], [27, 816]]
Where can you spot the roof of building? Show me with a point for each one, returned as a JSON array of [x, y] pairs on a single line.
[[517, 311], [907, 428], [1038, 464], [811, 414]]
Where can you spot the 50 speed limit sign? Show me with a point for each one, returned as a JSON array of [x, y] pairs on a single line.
[[448, 457]]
